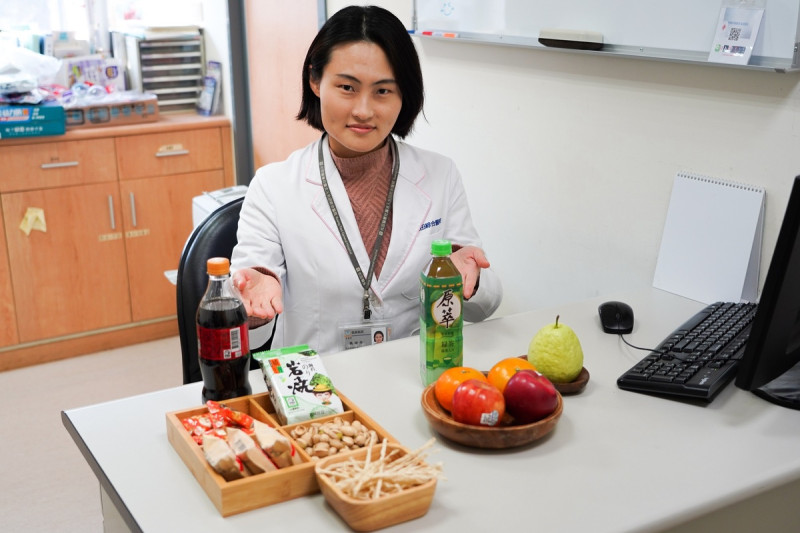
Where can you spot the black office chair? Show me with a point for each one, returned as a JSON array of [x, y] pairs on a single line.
[[214, 237]]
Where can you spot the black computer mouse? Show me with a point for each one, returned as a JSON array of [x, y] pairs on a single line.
[[616, 317]]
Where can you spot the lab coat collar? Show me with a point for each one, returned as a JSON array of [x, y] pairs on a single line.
[[409, 210]]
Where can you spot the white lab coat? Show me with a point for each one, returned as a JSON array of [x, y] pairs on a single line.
[[286, 226]]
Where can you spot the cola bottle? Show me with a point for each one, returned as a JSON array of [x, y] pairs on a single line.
[[222, 336]]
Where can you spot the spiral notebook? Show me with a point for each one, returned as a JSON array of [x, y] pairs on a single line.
[[711, 244]]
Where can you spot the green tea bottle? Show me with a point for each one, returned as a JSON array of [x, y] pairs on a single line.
[[441, 322]]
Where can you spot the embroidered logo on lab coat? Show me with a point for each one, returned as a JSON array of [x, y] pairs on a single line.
[[430, 224]]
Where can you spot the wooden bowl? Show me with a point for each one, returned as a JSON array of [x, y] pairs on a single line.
[[576, 385], [572, 387], [483, 436], [369, 515]]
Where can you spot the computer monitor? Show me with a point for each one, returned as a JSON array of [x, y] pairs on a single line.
[[769, 366]]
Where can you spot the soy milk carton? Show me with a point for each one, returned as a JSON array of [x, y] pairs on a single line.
[[298, 384]]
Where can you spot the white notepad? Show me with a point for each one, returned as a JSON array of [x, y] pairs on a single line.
[[711, 245]]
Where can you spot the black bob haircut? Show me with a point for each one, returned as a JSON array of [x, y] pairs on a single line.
[[373, 25]]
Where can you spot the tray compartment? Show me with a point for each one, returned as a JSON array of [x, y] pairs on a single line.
[[350, 415]]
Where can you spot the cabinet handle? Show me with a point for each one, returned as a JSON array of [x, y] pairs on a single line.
[[64, 164], [171, 153], [133, 209], [111, 212]]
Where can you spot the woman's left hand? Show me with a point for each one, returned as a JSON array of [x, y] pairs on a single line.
[[469, 260]]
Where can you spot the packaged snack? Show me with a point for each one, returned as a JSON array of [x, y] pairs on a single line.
[[275, 445], [222, 458], [246, 450], [200, 425], [234, 418], [298, 384]]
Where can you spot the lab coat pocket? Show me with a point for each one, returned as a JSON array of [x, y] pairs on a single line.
[[411, 295]]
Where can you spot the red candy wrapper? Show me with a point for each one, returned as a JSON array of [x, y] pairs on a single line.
[[215, 421], [237, 418]]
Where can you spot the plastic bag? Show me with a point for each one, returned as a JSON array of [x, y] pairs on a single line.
[[22, 70]]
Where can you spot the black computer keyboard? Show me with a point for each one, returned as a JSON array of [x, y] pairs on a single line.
[[699, 358]]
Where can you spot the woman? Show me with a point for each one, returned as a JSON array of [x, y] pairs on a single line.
[[340, 231]]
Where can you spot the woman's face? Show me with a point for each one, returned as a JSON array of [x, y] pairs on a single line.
[[359, 98]]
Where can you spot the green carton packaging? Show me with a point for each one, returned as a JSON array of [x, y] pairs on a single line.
[[298, 384]]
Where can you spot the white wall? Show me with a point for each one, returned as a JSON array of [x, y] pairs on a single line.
[[568, 159], [402, 9]]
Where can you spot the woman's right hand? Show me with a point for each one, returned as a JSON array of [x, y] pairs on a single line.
[[261, 293]]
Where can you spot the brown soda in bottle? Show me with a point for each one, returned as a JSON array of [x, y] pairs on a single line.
[[222, 336]]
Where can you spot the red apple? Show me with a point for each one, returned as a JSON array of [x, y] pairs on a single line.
[[530, 396], [478, 403]]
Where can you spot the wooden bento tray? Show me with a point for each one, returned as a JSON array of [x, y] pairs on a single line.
[[260, 490]]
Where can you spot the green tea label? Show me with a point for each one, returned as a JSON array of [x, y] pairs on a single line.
[[441, 326]]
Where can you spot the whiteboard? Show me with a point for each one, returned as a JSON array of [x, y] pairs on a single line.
[[681, 29]]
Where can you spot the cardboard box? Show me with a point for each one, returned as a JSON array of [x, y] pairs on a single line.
[[95, 70], [260, 490], [31, 120], [129, 109]]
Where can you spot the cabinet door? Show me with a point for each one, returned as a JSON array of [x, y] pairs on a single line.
[[73, 276], [8, 317], [158, 220]]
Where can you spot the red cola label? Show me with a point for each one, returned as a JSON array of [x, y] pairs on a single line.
[[222, 344]]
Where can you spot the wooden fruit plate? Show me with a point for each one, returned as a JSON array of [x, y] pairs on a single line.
[[573, 387], [483, 436], [576, 385]]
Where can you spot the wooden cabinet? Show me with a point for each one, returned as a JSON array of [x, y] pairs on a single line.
[[176, 152], [117, 203], [71, 278], [158, 220], [8, 319], [57, 164]]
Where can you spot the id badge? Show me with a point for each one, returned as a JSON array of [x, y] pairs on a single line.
[[364, 333]]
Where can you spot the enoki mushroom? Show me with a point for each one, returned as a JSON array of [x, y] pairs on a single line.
[[389, 473]]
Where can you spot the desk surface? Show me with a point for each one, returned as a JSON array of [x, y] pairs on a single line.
[[600, 470]]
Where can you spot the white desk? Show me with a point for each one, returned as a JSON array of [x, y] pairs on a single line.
[[602, 469]]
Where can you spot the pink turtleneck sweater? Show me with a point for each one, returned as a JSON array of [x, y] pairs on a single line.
[[366, 179]]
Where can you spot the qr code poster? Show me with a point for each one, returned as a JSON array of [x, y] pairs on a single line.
[[736, 34]]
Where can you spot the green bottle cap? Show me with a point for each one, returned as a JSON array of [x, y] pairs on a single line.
[[441, 248]]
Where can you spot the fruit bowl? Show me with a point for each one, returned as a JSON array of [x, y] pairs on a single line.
[[504, 436]]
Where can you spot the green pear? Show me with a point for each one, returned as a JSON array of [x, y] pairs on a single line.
[[556, 352]]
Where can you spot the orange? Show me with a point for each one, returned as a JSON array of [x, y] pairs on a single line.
[[502, 371], [448, 382]]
